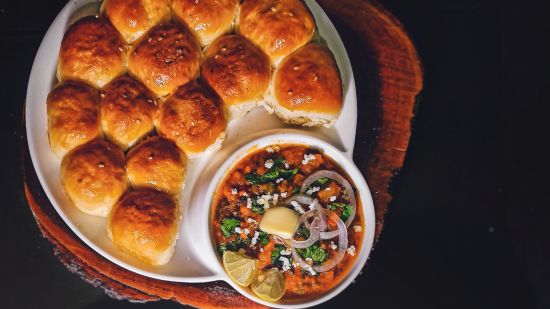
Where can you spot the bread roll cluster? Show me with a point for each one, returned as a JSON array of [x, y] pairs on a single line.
[[146, 85]]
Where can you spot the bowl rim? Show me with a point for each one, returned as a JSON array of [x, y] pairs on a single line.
[[344, 162]]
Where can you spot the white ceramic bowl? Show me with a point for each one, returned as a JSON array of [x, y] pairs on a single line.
[[294, 137]]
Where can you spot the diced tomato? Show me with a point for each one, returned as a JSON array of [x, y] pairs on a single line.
[[298, 179], [261, 170], [245, 212], [332, 189], [294, 155], [265, 257], [312, 165]]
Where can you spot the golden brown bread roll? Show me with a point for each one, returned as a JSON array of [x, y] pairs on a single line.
[[208, 19], [156, 163], [193, 118], [91, 51], [94, 176], [166, 57], [132, 18], [307, 88], [145, 223], [127, 111], [278, 27], [73, 116], [238, 71]]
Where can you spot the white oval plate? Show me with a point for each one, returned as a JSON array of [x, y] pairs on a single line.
[[188, 264]]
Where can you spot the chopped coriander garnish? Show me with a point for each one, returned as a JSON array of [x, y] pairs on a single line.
[[276, 253], [278, 161], [319, 182], [286, 174], [271, 175], [257, 208], [346, 209], [303, 231], [233, 245], [295, 190], [221, 249], [228, 226], [263, 238], [315, 252]]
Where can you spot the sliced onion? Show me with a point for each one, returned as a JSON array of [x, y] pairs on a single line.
[[341, 180], [313, 237], [342, 243], [300, 198], [317, 224], [342, 247]]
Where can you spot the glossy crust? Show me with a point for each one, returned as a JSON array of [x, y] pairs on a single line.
[[132, 18], [278, 27], [237, 70], [193, 118], [208, 19], [307, 87], [166, 57], [92, 51], [127, 111], [73, 116], [158, 164], [145, 223], [94, 177]]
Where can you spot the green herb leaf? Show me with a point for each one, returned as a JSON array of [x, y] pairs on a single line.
[[270, 175], [252, 178], [276, 253], [315, 252], [221, 249], [278, 161], [257, 208], [319, 182], [263, 238], [303, 231], [295, 190], [228, 226], [346, 209], [346, 212], [286, 174], [233, 245]]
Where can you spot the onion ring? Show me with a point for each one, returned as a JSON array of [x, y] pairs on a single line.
[[342, 247], [340, 179]]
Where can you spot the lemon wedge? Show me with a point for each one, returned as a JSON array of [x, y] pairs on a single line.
[[241, 268], [269, 285]]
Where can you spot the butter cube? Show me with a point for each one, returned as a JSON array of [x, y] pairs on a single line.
[[280, 221]]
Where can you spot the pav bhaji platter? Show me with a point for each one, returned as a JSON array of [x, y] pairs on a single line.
[[205, 140]]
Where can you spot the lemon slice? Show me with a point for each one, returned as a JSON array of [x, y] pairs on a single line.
[[269, 285], [239, 267]]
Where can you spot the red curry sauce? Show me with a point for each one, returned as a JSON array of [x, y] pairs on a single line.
[[236, 200]]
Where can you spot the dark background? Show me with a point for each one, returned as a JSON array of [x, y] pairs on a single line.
[[468, 225]]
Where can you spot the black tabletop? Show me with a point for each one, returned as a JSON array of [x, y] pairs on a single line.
[[466, 227]]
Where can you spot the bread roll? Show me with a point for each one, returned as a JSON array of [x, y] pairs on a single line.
[[145, 223], [166, 57], [156, 163], [307, 88], [94, 177], [132, 18], [91, 51], [193, 118], [127, 111], [238, 71], [208, 19], [278, 27], [73, 116]]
